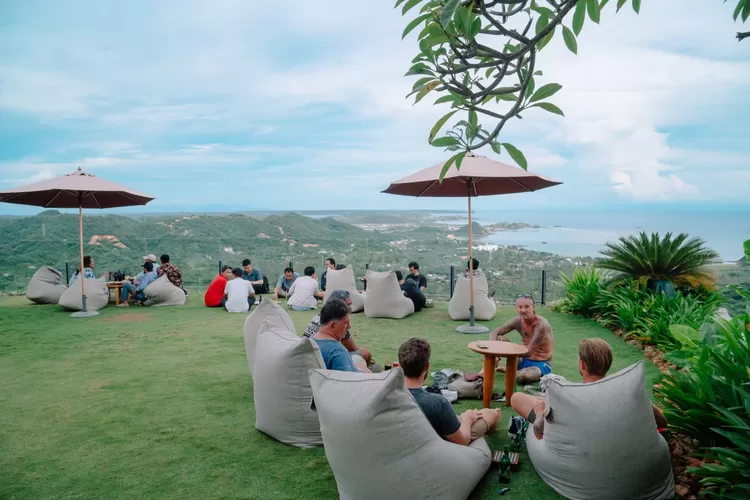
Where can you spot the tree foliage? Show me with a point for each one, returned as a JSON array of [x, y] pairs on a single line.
[[479, 57]]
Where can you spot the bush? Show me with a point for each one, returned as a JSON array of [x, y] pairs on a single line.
[[708, 401], [582, 291]]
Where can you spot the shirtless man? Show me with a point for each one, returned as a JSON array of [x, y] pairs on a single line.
[[536, 334]]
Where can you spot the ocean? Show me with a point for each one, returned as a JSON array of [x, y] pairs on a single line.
[[584, 232]]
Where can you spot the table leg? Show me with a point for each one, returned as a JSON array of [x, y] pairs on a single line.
[[511, 365], [117, 295], [489, 379]]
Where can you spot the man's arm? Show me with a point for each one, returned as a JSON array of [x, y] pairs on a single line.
[[349, 343], [508, 327], [661, 420], [292, 289], [463, 435], [540, 332]]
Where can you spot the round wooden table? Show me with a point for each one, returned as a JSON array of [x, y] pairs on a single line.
[[116, 286], [493, 349]]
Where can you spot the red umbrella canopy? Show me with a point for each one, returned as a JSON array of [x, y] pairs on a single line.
[[478, 176], [76, 190]]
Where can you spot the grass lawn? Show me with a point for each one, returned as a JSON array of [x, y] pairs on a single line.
[[157, 403]]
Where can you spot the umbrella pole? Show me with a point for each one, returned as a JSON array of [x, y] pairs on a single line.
[[83, 313], [471, 327]]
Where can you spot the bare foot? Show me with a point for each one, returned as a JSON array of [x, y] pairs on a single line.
[[500, 369]]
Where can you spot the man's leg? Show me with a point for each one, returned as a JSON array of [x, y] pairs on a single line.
[[486, 424], [250, 302], [127, 288], [528, 375], [531, 409], [283, 293]]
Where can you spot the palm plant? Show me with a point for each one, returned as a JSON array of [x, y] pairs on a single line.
[[650, 259]]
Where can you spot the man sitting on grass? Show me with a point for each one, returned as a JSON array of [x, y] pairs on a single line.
[[347, 341], [536, 334], [334, 325], [412, 291], [136, 288], [594, 361], [239, 295], [304, 293], [285, 283], [214, 296], [414, 358]]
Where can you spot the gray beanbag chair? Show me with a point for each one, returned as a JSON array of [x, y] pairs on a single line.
[[46, 286], [602, 441], [484, 306], [380, 445], [276, 317], [97, 295], [281, 386], [161, 292], [384, 298], [345, 279]]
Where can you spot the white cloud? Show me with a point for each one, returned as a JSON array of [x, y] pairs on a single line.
[[40, 176]]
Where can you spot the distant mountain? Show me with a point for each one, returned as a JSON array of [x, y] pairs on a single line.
[[476, 229]]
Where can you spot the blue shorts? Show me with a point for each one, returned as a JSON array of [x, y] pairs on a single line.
[[544, 366]]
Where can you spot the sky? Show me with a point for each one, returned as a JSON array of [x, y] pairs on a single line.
[[248, 105]]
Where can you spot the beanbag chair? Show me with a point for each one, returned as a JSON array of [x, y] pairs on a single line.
[[97, 295], [484, 306], [344, 279], [161, 292], [602, 441], [281, 386], [276, 317], [380, 445], [384, 298], [46, 286]]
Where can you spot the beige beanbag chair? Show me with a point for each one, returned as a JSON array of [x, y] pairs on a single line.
[[602, 442], [161, 292], [484, 306], [384, 298], [276, 317], [97, 295], [380, 445], [46, 286], [344, 279], [281, 386]]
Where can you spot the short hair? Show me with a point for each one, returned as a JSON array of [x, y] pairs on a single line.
[[332, 261], [86, 261], [245, 262], [399, 275], [148, 266], [164, 258], [333, 310], [474, 264], [525, 296], [237, 272], [339, 267], [415, 265], [288, 270], [414, 356], [309, 271], [224, 268], [596, 354]]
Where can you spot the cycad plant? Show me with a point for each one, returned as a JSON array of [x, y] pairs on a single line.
[[651, 260]]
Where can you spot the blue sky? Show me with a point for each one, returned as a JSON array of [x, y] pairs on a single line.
[[244, 105]]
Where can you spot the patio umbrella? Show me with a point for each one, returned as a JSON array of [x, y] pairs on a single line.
[[478, 176], [77, 190]]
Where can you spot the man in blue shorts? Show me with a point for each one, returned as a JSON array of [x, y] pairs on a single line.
[[536, 334]]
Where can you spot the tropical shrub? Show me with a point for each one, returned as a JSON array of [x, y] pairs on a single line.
[[582, 291], [651, 260], [620, 307]]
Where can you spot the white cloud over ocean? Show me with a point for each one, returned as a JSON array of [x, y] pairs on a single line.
[[244, 103]]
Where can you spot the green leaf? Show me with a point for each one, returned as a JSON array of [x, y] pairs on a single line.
[[398, 2], [409, 5], [442, 142], [538, 73], [422, 81], [544, 11], [517, 155], [431, 41], [738, 10], [426, 90], [450, 162], [546, 91], [579, 16], [620, 3], [465, 14], [530, 87], [541, 23], [688, 337], [637, 6], [448, 98], [570, 40], [593, 9], [601, 5], [449, 9], [460, 159], [506, 97], [544, 41], [496, 147], [473, 119], [476, 25], [548, 106], [415, 22], [439, 124]]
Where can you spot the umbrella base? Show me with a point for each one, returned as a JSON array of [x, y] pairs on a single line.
[[470, 329], [84, 314]]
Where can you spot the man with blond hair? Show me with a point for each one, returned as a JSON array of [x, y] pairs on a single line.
[[594, 361], [414, 358]]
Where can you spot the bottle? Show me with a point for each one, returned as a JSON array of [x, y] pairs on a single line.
[[505, 466], [387, 363]]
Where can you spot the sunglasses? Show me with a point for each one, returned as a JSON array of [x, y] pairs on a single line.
[[525, 296]]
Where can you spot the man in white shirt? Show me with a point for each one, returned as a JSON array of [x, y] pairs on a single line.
[[304, 294], [239, 294]]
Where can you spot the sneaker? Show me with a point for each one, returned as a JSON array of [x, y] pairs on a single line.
[[498, 398], [123, 304], [515, 426]]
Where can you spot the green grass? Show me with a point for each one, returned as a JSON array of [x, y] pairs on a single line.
[[157, 403]]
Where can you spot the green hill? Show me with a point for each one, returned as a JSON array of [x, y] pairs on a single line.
[[476, 229]]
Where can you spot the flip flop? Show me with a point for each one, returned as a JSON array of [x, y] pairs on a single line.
[[498, 398]]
